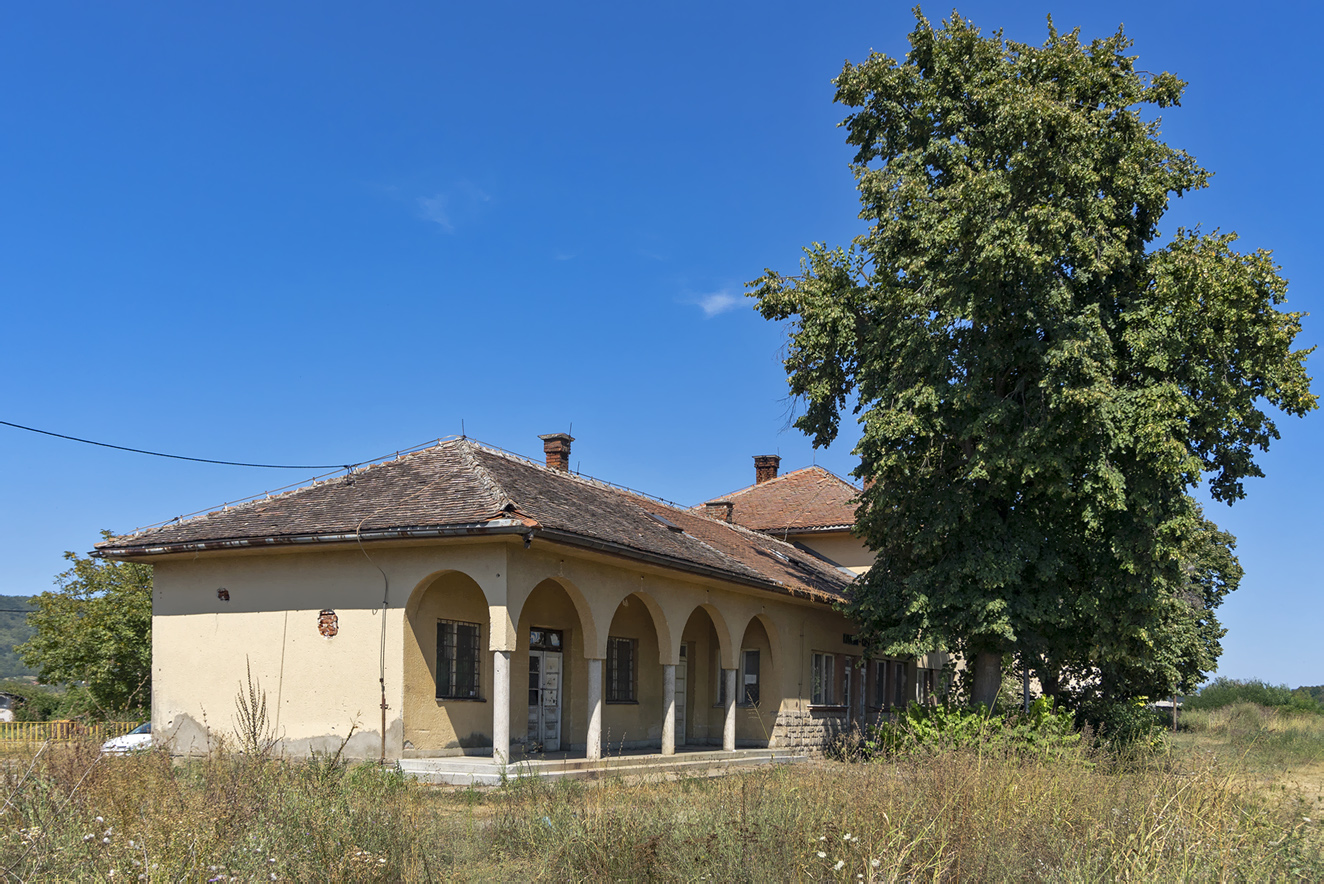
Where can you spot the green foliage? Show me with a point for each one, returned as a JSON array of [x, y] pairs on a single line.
[[1227, 691], [1040, 733], [95, 628], [1314, 691], [1124, 724], [1040, 383], [14, 630]]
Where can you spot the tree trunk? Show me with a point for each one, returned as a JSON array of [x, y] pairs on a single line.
[[1049, 681], [988, 678]]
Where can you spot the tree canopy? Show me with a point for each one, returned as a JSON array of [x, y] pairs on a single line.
[[96, 628], [1040, 382]]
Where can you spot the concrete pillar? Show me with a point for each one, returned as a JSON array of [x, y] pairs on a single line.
[[669, 709], [501, 707], [594, 747], [729, 726]]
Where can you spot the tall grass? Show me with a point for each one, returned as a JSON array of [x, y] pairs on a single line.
[[1261, 736], [955, 816]]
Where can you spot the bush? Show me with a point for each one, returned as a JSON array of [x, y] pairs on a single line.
[[1226, 692], [1040, 733]]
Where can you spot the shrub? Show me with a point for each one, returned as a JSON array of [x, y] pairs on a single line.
[[1041, 732], [1226, 692]]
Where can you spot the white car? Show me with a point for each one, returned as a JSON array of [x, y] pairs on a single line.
[[135, 740]]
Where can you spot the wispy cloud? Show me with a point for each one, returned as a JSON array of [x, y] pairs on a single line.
[[717, 302], [563, 256], [455, 206], [433, 208]]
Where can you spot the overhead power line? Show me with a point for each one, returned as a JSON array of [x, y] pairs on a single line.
[[226, 463]]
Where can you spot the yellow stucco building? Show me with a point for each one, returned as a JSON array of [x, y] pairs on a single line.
[[461, 600]]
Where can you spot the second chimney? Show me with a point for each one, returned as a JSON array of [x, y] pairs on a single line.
[[765, 467], [557, 448]]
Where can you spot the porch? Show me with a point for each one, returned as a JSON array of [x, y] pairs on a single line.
[[698, 761]]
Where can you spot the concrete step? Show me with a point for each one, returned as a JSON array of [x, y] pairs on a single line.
[[483, 772]]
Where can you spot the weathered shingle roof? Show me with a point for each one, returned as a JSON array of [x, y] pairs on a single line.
[[462, 485], [802, 500]]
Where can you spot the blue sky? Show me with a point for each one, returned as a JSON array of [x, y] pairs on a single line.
[[319, 233]]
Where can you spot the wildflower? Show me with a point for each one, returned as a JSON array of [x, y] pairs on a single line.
[[822, 837], [840, 864], [846, 837], [88, 837], [105, 840], [875, 862], [273, 876], [101, 819], [1306, 818], [822, 855]]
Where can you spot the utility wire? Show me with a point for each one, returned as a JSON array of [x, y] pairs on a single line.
[[226, 463]]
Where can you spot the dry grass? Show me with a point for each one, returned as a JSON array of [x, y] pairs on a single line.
[[959, 816]]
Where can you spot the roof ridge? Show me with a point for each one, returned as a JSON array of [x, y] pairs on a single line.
[[736, 565], [578, 476], [783, 476], [503, 501], [294, 488]]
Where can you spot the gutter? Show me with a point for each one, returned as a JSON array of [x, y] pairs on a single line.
[[630, 552], [494, 527]]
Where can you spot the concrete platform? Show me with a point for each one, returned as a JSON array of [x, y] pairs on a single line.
[[700, 762]]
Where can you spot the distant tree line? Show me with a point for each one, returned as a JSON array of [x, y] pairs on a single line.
[[1225, 691]]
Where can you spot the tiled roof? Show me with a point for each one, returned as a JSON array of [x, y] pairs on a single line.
[[802, 500], [465, 486]]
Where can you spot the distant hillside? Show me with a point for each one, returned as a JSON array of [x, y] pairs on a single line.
[[14, 630]]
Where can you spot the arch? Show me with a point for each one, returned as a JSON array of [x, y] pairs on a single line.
[[668, 651], [773, 633], [445, 717], [725, 641], [421, 588], [594, 646]]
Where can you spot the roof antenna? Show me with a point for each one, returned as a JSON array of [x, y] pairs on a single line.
[[462, 436]]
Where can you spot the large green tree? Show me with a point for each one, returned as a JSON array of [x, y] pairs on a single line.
[[1040, 382], [96, 628]]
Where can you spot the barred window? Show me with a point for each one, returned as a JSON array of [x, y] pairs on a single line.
[[620, 670], [457, 660]]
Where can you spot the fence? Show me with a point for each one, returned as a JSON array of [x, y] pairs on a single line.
[[40, 731]]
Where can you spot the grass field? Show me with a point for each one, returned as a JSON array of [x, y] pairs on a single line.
[[1236, 799]]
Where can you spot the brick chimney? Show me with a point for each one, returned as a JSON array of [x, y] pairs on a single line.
[[719, 509], [557, 448], [765, 467]]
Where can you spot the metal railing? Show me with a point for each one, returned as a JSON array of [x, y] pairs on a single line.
[[61, 731]]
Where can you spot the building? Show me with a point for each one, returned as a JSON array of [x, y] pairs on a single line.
[[462, 600], [814, 510]]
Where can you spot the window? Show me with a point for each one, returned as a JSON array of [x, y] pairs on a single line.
[[880, 683], [457, 660], [899, 695], [620, 670], [749, 694], [823, 670]]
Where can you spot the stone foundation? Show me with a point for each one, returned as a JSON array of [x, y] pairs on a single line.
[[809, 730]]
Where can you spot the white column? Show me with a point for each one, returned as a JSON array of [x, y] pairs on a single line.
[[862, 709], [501, 707], [729, 726], [594, 740], [669, 709]]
